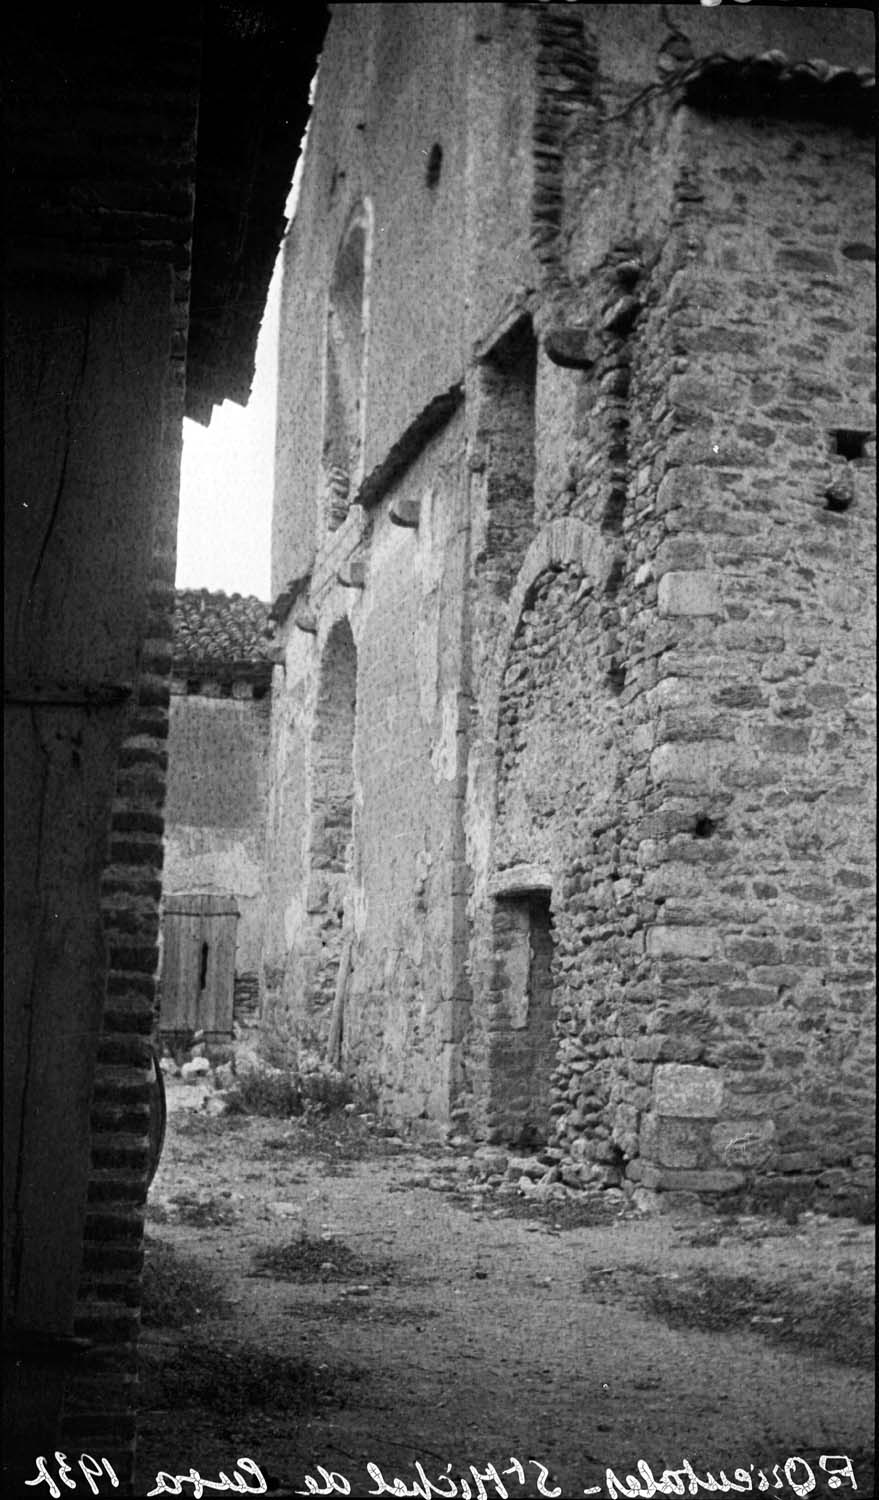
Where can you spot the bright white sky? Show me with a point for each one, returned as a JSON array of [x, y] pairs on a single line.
[[223, 538], [228, 469]]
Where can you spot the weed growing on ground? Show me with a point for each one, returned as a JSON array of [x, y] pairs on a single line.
[[177, 1290], [309, 1259], [311, 1087], [834, 1323], [276, 1095]]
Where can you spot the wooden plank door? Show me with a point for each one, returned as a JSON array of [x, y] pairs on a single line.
[[198, 964]]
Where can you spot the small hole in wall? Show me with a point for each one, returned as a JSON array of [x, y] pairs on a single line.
[[704, 827], [616, 679], [259, 691], [848, 442], [434, 165], [193, 685], [838, 500], [615, 577]]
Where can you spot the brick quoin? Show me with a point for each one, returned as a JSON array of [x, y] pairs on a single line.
[[122, 315]]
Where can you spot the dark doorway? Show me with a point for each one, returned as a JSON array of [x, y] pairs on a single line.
[[522, 1020]]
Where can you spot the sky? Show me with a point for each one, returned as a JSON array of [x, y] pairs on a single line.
[[226, 480], [228, 469]]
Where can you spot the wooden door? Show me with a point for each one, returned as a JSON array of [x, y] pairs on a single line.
[[198, 965]]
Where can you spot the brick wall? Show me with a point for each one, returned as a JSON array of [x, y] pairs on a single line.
[[99, 272]]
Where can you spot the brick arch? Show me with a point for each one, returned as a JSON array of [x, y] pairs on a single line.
[[566, 542]]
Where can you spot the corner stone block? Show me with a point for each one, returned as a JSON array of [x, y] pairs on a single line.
[[681, 942], [681, 762], [715, 1180], [689, 594], [743, 1143], [685, 1091], [680, 1143]]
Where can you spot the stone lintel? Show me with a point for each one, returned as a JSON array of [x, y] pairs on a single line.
[[518, 880]]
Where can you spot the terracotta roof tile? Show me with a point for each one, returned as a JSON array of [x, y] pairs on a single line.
[[219, 630], [774, 83]]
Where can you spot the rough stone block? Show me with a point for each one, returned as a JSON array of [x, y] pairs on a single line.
[[715, 1180], [405, 512], [743, 1142], [681, 942], [683, 486], [687, 1091], [572, 348], [680, 761], [679, 1143], [689, 594]]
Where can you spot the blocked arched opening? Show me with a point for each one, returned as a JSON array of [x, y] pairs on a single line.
[[553, 775], [333, 766], [345, 370], [331, 825]]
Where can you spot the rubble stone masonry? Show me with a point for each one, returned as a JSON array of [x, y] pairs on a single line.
[[609, 876]]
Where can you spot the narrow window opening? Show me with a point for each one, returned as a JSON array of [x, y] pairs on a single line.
[[259, 691], [203, 970], [508, 426], [434, 165], [345, 375], [848, 442], [193, 686], [616, 679], [615, 578], [704, 827], [614, 510], [226, 690]]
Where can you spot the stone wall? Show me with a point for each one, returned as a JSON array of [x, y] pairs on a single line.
[[752, 568], [425, 137], [665, 747], [363, 808], [605, 570]]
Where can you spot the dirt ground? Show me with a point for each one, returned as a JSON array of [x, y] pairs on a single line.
[[318, 1294]]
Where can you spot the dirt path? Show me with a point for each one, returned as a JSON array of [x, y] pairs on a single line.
[[308, 1305]]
